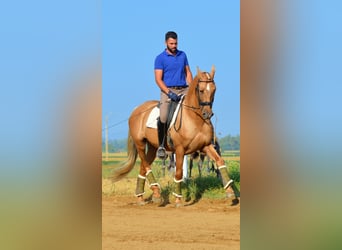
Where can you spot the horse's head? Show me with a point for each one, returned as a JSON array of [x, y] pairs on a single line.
[[205, 91]]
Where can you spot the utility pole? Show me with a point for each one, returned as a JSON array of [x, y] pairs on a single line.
[[106, 138]]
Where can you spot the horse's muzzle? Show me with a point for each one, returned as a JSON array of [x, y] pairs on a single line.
[[207, 115]]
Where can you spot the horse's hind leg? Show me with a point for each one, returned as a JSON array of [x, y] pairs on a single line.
[[154, 185], [147, 159]]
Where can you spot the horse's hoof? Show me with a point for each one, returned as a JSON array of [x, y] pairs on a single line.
[[178, 205], [157, 200], [230, 195], [235, 202], [232, 192], [141, 203]]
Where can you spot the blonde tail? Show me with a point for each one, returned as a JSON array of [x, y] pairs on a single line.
[[124, 168]]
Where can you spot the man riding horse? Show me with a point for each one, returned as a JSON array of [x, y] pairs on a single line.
[[192, 129], [172, 73]]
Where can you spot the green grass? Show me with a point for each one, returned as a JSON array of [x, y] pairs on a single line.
[[194, 189], [230, 153], [208, 186]]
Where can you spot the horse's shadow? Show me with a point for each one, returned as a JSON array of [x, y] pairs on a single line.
[[195, 188]]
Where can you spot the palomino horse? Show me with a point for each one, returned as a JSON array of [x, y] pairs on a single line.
[[192, 131]]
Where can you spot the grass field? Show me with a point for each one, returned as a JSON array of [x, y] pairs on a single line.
[[208, 185], [116, 158], [233, 155]]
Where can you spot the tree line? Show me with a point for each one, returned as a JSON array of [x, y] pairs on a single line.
[[228, 142]]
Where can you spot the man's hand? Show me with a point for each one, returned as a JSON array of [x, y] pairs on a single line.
[[173, 96]]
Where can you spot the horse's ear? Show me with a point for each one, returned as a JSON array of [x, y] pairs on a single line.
[[212, 73], [198, 71]]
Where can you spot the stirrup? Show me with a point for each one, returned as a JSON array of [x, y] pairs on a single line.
[[161, 153]]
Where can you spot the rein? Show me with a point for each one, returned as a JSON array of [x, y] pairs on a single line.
[[181, 116], [196, 109]]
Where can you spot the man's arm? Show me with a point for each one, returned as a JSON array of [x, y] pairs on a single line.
[[188, 74], [158, 75]]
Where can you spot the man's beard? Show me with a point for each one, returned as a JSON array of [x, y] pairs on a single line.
[[173, 51]]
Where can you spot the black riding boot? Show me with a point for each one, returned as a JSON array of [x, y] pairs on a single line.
[[161, 152]]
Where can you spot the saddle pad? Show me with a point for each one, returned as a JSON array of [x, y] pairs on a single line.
[[154, 115], [153, 118]]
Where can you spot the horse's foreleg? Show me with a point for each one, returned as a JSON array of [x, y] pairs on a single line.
[[228, 183], [177, 191]]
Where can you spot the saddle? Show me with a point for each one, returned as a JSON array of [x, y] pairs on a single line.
[[173, 112]]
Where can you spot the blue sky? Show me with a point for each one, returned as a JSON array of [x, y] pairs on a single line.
[[43, 44], [309, 85], [133, 35], [44, 48]]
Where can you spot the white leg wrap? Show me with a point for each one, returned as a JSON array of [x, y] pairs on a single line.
[[226, 181], [137, 195], [177, 191], [178, 180], [155, 184], [228, 184], [140, 186], [177, 195], [151, 179]]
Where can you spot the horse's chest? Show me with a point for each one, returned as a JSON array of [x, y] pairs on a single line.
[[202, 138]]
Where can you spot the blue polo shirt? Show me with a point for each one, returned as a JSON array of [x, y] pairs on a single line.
[[173, 67]]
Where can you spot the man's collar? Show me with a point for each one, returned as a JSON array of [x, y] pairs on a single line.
[[167, 53]]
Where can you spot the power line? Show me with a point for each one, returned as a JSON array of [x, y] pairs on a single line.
[[118, 123], [115, 124]]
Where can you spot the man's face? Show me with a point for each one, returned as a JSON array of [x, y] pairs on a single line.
[[171, 45]]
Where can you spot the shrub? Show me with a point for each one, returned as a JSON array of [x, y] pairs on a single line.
[[234, 170]]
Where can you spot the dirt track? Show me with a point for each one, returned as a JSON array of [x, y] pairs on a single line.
[[207, 224]]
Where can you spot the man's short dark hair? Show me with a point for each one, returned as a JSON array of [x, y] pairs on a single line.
[[170, 34]]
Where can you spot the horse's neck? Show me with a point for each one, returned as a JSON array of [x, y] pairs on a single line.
[[188, 102], [190, 98], [192, 107]]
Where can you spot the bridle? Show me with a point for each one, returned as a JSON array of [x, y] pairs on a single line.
[[198, 96], [202, 104], [204, 115]]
